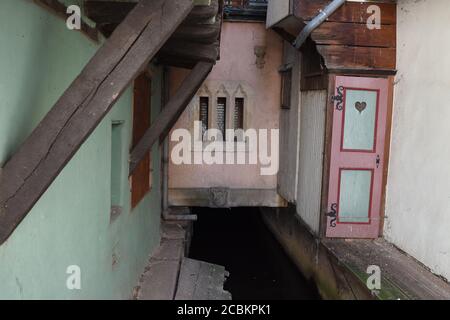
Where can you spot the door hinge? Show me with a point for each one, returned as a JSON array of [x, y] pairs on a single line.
[[339, 98], [333, 215]]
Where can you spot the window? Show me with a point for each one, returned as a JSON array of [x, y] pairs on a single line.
[[221, 114], [141, 178], [286, 89], [204, 114], [239, 114], [116, 168]]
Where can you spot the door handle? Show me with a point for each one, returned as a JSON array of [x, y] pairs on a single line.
[[378, 161]]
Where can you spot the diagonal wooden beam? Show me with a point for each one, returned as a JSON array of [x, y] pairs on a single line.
[[171, 112], [28, 174]]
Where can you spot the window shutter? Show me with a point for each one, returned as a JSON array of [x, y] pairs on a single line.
[[140, 180]]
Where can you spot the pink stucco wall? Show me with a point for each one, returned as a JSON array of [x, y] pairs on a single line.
[[237, 64]]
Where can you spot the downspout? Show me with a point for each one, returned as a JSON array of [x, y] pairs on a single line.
[[317, 21]]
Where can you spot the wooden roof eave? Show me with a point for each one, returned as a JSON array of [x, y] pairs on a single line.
[[344, 41]]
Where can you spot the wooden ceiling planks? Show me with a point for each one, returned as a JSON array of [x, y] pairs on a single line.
[[344, 40], [196, 39]]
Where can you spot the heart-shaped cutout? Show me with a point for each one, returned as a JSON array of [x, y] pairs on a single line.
[[360, 106]]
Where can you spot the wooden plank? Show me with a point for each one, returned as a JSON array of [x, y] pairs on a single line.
[[401, 274], [186, 50], [208, 33], [31, 170], [171, 112], [347, 57], [201, 281], [113, 12], [355, 12], [202, 33], [353, 34]]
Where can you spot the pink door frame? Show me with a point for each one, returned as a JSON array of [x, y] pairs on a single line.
[[341, 159]]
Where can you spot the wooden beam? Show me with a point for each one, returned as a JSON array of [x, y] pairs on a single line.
[[365, 58], [191, 50], [171, 112], [350, 12], [28, 174], [202, 33], [354, 34], [115, 11]]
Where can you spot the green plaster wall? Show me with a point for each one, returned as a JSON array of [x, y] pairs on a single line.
[[70, 225]]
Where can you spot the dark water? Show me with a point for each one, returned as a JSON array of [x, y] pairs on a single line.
[[259, 269]]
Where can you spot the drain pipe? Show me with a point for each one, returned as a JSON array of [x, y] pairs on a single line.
[[317, 21]]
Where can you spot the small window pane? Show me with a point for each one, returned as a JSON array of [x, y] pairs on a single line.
[[204, 114], [221, 115], [239, 114]]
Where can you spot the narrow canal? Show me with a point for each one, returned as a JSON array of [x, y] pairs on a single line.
[[259, 268]]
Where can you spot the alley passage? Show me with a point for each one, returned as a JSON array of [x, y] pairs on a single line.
[[239, 240]]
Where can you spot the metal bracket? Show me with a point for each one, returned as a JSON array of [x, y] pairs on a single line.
[[339, 98], [333, 215]]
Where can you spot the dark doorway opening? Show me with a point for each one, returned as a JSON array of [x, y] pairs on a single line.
[[259, 268]]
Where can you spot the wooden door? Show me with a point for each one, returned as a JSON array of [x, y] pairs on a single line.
[[357, 154]]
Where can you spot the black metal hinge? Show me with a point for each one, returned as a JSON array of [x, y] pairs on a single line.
[[333, 215], [339, 98]]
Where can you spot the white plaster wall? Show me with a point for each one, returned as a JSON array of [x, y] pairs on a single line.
[[418, 191]]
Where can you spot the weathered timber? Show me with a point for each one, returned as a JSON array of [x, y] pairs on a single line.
[[201, 33], [171, 112], [32, 169], [191, 51], [354, 34], [344, 41], [113, 12], [350, 12], [347, 57], [207, 33]]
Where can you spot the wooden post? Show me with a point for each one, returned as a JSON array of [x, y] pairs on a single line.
[[171, 112], [28, 174]]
